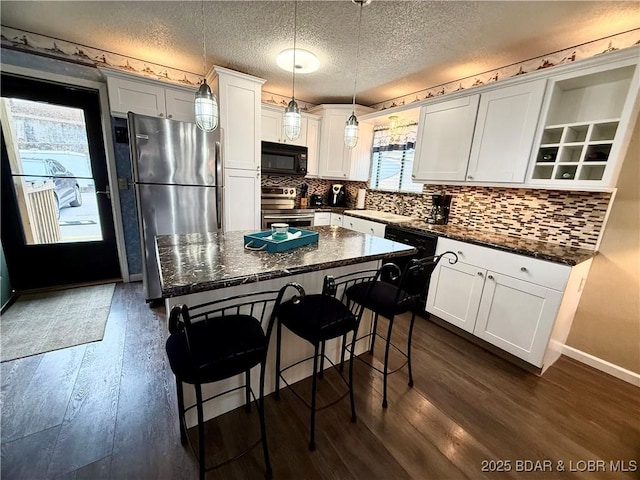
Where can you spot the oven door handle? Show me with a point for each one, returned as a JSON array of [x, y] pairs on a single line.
[[288, 217]]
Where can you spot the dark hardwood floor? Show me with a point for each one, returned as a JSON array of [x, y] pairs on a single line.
[[108, 410]]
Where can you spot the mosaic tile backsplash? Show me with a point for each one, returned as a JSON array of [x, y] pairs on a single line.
[[568, 218]]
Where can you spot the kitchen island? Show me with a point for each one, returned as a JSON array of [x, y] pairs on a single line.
[[197, 268]]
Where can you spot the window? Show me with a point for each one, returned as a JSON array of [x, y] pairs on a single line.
[[392, 159]]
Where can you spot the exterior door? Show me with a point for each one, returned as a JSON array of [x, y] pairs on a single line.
[[57, 222]]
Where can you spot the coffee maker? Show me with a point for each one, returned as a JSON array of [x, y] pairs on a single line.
[[439, 213], [337, 195]]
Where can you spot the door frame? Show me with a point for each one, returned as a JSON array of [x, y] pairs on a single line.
[[105, 114]]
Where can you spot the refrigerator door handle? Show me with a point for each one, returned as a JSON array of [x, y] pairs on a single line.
[[219, 172], [219, 207]]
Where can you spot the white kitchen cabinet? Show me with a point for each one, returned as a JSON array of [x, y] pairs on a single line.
[[337, 219], [272, 126], [313, 145], [321, 218], [336, 161], [241, 200], [363, 226], [239, 100], [129, 93], [585, 126], [520, 304], [443, 143], [504, 133]]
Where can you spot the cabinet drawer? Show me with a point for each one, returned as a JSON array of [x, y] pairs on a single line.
[[541, 272], [322, 218], [336, 219]]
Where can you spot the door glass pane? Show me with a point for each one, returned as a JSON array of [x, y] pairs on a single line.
[[51, 169]]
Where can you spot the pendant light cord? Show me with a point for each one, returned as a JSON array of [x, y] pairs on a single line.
[[355, 78], [204, 46], [295, 32]]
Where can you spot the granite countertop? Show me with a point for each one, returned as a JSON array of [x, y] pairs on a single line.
[[522, 246], [197, 262]]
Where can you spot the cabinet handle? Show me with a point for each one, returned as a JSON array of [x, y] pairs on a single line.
[[161, 114], [371, 230], [169, 116], [523, 269], [459, 252], [490, 277], [480, 274], [470, 177]]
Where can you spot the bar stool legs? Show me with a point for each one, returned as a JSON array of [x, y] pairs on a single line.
[[314, 386], [201, 456], [263, 428], [413, 317]]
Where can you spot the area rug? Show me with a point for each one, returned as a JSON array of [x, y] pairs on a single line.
[[43, 322]]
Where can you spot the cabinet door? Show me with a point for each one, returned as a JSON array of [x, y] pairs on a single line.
[[359, 159], [336, 219], [455, 292], [313, 138], [517, 316], [137, 97], [444, 138], [333, 153], [350, 222], [503, 137], [322, 218], [242, 200], [373, 228], [302, 139], [180, 105], [271, 126], [240, 121]]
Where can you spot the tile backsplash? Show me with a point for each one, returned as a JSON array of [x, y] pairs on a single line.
[[556, 216], [563, 217]]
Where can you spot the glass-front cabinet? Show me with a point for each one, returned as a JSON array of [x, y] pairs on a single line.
[[585, 127]]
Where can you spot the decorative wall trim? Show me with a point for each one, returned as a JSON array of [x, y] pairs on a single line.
[[85, 55], [560, 57], [72, 52], [602, 365]]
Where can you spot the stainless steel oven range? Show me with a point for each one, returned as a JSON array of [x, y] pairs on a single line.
[[278, 206]]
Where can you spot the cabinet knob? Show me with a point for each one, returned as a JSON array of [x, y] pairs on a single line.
[[344, 174], [169, 116], [161, 114], [470, 177], [459, 252], [371, 230], [490, 277], [480, 274], [523, 269]]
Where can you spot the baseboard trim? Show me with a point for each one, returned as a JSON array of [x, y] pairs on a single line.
[[602, 365]]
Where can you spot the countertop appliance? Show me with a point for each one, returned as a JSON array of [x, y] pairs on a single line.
[[423, 241], [178, 180], [439, 213], [278, 206], [337, 195], [283, 159], [316, 200]]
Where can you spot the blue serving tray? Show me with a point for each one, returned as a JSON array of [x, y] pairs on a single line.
[[259, 242]]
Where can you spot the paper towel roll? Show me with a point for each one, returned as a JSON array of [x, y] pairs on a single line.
[[360, 199]]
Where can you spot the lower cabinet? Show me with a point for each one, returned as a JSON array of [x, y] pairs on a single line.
[[522, 305], [336, 219], [363, 226], [241, 200], [321, 218]]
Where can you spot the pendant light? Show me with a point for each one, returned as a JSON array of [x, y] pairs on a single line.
[[351, 127], [291, 122], [206, 105]]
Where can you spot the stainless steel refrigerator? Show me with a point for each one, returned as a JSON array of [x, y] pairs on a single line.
[[178, 178]]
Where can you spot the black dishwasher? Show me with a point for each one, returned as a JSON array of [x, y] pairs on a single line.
[[423, 241]]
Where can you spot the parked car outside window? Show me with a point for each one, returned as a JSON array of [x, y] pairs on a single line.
[[67, 190]]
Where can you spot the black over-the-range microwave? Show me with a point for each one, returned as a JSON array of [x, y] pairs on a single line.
[[284, 159]]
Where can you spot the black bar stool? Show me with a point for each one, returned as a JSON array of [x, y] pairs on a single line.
[[217, 340], [316, 319], [401, 293]]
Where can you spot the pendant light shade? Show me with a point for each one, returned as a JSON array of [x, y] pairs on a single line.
[[206, 108], [206, 104], [351, 131], [351, 126], [291, 123]]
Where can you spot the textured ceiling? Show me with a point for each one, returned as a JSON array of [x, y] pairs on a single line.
[[406, 46]]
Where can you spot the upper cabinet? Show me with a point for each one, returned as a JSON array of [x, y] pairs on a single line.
[[272, 131], [503, 137], [336, 160], [443, 141], [129, 93], [585, 127]]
